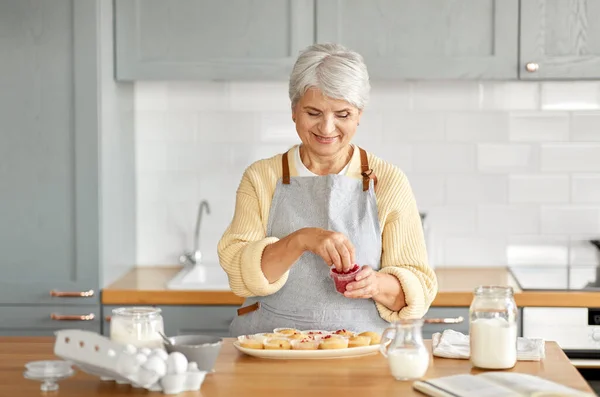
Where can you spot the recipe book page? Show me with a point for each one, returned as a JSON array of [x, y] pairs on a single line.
[[493, 384]]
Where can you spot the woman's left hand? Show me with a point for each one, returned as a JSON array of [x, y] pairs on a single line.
[[365, 286]]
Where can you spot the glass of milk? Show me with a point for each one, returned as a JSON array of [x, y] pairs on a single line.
[[402, 345], [493, 328]]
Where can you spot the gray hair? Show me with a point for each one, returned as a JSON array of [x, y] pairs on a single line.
[[335, 70]]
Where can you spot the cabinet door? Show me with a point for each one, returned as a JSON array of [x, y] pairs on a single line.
[[207, 39], [181, 320], [48, 147], [433, 39], [44, 320], [560, 39]]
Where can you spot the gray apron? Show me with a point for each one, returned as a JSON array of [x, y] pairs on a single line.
[[309, 300]]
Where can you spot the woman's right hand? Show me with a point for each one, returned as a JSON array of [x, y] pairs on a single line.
[[333, 247]]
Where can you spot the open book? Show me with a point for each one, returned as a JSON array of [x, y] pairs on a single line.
[[494, 384]]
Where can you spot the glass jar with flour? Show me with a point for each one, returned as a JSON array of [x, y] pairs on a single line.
[[403, 346], [138, 326], [493, 328]]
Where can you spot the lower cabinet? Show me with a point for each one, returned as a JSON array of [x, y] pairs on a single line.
[[44, 320], [180, 320], [438, 319]]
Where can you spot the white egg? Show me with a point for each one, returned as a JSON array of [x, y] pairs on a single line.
[[146, 351], [160, 353], [127, 364], [192, 367], [155, 364], [141, 358], [130, 349], [176, 363]]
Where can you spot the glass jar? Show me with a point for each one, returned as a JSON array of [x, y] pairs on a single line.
[[404, 349], [139, 326], [493, 328]]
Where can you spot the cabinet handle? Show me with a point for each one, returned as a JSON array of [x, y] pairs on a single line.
[[64, 317], [532, 67], [455, 320], [107, 319], [78, 294]]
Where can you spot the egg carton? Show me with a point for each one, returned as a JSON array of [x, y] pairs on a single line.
[[154, 370]]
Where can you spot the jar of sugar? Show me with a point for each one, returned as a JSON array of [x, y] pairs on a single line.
[[493, 328], [138, 326], [402, 345]]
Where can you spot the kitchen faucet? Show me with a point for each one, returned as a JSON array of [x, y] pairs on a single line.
[[195, 257]]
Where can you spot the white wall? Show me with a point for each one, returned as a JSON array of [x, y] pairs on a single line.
[[499, 167]]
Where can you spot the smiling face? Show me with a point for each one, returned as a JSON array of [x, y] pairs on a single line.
[[325, 126]]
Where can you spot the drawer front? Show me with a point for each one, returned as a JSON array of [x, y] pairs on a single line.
[[44, 320], [179, 320]]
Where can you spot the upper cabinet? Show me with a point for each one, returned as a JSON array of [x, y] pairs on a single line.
[[560, 39], [210, 40], [415, 39]]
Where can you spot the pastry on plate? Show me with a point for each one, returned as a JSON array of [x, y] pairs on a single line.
[[250, 342], [277, 344], [329, 342], [344, 332], [316, 333], [286, 331], [375, 337], [359, 341], [305, 344], [297, 337]]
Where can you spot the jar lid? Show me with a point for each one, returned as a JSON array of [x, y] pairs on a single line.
[[139, 311]]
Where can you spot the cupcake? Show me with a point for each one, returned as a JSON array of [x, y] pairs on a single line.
[[285, 331], [316, 333], [305, 344], [262, 337], [345, 332], [277, 344], [359, 341], [298, 337], [329, 342], [375, 337], [249, 342]]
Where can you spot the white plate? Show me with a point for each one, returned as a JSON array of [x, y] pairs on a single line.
[[308, 354]]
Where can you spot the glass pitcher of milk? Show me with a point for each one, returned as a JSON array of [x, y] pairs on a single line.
[[402, 345], [493, 328]]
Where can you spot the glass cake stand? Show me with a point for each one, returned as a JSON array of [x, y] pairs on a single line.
[[48, 372]]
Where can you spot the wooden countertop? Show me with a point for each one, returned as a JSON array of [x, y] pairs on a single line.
[[147, 285], [240, 375]]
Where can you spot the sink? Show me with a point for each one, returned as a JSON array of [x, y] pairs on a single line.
[[204, 276]]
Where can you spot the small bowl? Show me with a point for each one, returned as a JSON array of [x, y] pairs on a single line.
[[342, 280], [201, 349]]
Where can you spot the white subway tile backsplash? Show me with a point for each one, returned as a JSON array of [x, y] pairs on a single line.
[[585, 127], [510, 96], [476, 189], [475, 251], [586, 188], [538, 189], [451, 157], [539, 127], [570, 220], [477, 127], [260, 96], [503, 158], [535, 250], [570, 95], [508, 219], [453, 219], [584, 157], [493, 171], [445, 95], [582, 252], [413, 127]]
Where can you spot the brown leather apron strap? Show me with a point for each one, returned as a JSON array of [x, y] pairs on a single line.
[[248, 309], [285, 179], [365, 171]]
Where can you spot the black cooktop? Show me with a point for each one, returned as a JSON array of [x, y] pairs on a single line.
[[557, 278]]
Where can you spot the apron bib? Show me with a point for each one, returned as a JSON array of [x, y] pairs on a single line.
[[308, 300]]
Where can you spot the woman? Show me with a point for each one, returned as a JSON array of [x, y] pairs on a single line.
[[326, 203]]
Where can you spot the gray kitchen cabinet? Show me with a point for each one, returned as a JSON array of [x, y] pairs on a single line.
[[560, 39], [49, 168], [44, 320], [210, 40], [180, 320], [434, 39], [451, 313]]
